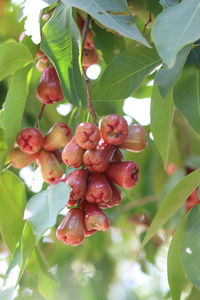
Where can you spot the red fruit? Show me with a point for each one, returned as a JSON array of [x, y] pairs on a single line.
[[30, 140], [41, 56], [87, 135], [50, 167], [19, 159], [115, 200], [135, 140], [98, 160], [117, 156], [71, 203], [113, 129], [89, 43], [78, 182], [90, 232], [49, 89], [71, 230], [41, 66], [90, 57], [57, 137], [95, 219], [98, 189], [192, 200], [72, 154], [125, 174]]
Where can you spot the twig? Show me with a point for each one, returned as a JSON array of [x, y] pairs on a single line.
[[40, 114], [139, 202], [147, 23], [87, 81]]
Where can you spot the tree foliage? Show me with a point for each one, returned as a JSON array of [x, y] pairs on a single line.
[[146, 49]]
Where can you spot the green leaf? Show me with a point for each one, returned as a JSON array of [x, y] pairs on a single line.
[[14, 105], [61, 39], [194, 295], [172, 202], [13, 56], [125, 73], [174, 264], [12, 202], [161, 122], [112, 14], [167, 77], [190, 252], [42, 209], [175, 28], [187, 96], [18, 263]]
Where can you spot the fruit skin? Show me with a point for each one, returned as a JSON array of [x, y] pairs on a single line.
[[41, 56], [115, 200], [30, 140], [41, 66], [95, 219], [192, 200], [50, 167], [19, 159], [117, 156], [49, 89], [78, 182], [57, 137], [71, 230], [113, 129], [90, 57], [136, 139], [98, 160], [87, 135], [125, 173], [98, 189], [72, 154], [89, 43]]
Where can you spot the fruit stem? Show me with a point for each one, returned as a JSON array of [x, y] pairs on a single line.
[[87, 81], [40, 114]]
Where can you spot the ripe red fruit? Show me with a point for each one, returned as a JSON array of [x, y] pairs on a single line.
[[98, 189], [135, 140], [87, 135], [115, 200], [78, 182], [113, 129], [50, 167], [30, 140], [98, 160], [192, 200], [90, 232], [71, 230], [95, 219], [19, 159], [90, 57], [72, 154], [117, 156], [89, 43], [125, 173], [57, 137], [49, 89]]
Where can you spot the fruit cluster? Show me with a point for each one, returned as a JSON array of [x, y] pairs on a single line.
[[95, 152], [45, 150], [94, 187]]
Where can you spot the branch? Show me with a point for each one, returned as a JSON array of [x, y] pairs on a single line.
[[87, 81], [40, 114]]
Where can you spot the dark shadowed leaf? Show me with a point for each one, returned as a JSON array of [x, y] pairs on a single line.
[[187, 96]]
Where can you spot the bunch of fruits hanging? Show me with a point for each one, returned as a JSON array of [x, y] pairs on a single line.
[[93, 150]]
